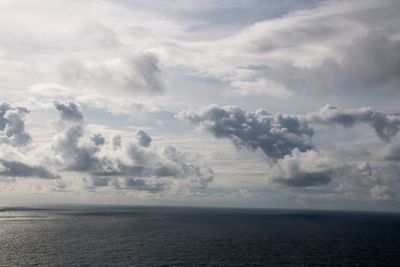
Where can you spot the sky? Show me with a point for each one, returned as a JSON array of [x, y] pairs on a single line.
[[263, 104]]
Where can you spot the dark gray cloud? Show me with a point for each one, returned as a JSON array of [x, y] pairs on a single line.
[[276, 135], [98, 139], [124, 183], [12, 124], [20, 169], [385, 125], [287, 140], [139, 184], [12, 127], [94, 181], [306, 179], [143, 138], [69, 111]]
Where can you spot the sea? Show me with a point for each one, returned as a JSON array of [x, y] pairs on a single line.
[[176, 236]]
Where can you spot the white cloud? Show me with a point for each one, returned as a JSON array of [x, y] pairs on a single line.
[[259, 87], [122, 166], [303, 169]]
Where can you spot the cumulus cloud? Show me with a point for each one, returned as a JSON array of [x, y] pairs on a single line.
[[14, 136], [98, 139], [326, 47], [69, 111], [4, 107], [385, 125], [12, 125], [76, 153], [76, 156], [287, 140], [302, 169], [155, 167], [143, 138], [155, 177], [283, 138], [129, 165], [135, 165], [276, 135]]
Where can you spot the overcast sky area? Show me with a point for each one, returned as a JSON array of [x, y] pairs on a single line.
[[267, 104]]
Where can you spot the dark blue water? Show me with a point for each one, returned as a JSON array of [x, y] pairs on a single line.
[[142, 236]]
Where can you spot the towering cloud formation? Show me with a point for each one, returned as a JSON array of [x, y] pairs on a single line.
[[135, 166], [276, 135], [12, 125], [76, 156], [386, 126]]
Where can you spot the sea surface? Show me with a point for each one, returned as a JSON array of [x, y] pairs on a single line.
[[165, 236]]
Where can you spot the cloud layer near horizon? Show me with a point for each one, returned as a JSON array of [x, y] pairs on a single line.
[[134, 165], [286, 140], [92, 104]]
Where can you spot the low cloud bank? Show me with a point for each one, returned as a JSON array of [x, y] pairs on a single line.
[[123, 164]]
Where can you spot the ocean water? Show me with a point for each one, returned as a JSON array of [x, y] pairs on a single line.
[[149, 236]]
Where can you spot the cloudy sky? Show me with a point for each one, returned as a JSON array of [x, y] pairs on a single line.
[[271, 104]]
